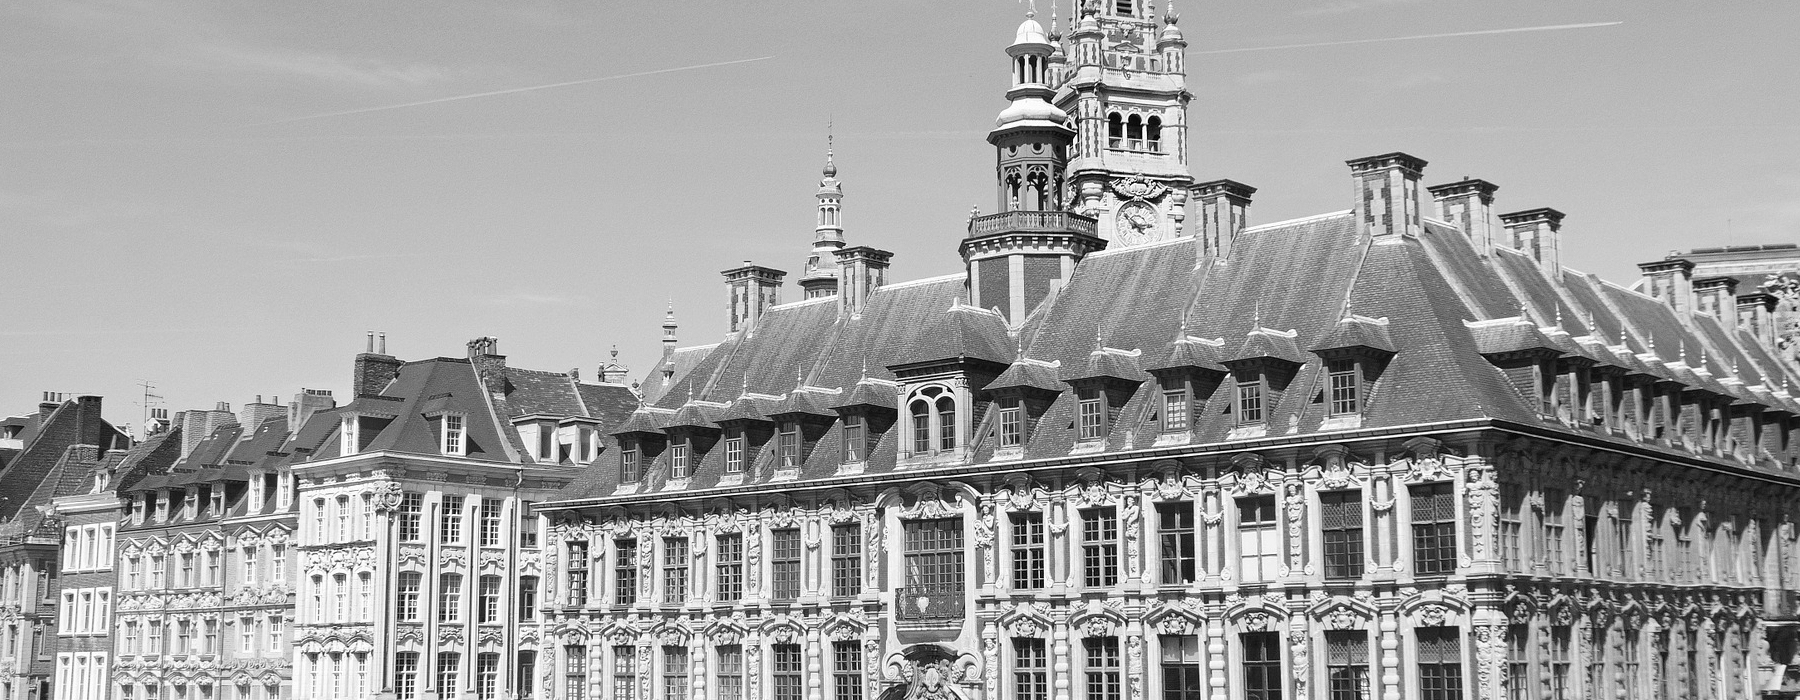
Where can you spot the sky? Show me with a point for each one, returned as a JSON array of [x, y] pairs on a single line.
[[174, 209]]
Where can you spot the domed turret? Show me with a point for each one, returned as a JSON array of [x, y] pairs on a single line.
[[1030, 93]]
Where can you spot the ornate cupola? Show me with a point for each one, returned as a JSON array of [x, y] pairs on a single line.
[[821, 276], [1019, 256]]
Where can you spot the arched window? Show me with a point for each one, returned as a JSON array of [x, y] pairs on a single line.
[[946, 410], [921, 424], [934, 427], [1012, 191], [1153, 134], [1115, 130], [1038, 191], [1134, 133]]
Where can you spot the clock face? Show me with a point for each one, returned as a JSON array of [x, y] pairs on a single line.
[[1136, 223]]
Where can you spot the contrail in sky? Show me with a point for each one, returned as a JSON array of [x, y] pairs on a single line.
[[508, 91], [1514, 30]]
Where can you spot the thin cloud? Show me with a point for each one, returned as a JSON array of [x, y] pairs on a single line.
[[509, 91], [1483, 32], [1345, 6], [329, 68]]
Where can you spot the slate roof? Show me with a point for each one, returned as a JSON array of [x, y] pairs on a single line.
[[1433, 305]]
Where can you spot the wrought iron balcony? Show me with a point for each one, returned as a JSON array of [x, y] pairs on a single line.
[[1032, 222], [926, 603]]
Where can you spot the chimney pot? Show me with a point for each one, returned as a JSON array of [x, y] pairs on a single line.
[[370, 347], [382, 347]]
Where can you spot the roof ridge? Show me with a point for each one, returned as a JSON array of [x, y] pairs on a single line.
[[1301, 220], [920, 282], [1142, 247]]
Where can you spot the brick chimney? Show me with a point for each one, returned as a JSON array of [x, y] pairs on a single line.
[[93, 428], [754, 289], [1756, 315], [254, 413], [1670, 280], [1716, 297], [861, 269], [1387, 194], [1538, 233], [306, 403], [198, 424], [1469, 205], [374, 368], [1224, 207]]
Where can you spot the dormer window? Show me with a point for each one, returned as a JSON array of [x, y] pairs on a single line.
[[933, 411], [787, 445], [1175, 409], [734, 452], [1249, 398], [454, 441], [628, 465], [190, 503], [1012, 423], [349, 438], [856, 437], [1344, 386], [678, 460], [1091, 415]]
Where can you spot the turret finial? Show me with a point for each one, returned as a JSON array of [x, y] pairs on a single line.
[[830, 164]]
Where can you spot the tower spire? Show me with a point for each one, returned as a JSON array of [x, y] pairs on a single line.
[[668, 328], [821, 276]]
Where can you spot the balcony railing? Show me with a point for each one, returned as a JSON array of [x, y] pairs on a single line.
[[1030, 221], [929, 602]]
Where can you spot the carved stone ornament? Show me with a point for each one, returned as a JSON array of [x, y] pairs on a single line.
[[933, 672], [1138, 188], [1433, 615], [929, 502], [387, 496]]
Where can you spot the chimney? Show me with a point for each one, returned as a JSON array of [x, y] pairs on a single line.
[[1387, 194], [1468, 205], [863, 269], [197, 425], [1537, 233], [754, 289], [668, 339], [1716, 297], [373, 369], [254, 413], [1224, 211], [1756, 315], [1670, 280], [306, 403], [51, 400], [92, 427]]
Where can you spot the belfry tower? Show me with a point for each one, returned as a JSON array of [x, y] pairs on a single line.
[[821, 276], [1124, 82]]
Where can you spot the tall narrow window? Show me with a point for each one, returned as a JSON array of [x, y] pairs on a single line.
[[1259, 544], [575, 682], [1028, 568], [343, 518], [365, 584], [1262, 666], [1181, 667], [1153, 129], [1115, 130], [1512, 528], [578, 572], [784, 561], [934, 564], [1031, 669], [406, 675], [734, 454], [787, 445], [1554, 527], [1249, 399], [412, 512], [628, 465], [1434, 528], [453, 434], [340, 588], [675, 569], [1099, 547], [625, 571], [728, 577], [1341, 517], [946, 413], [1175, 531], [490, 522], [786, 671], [1518, 663], [678, 460], [526, 677], [1174, 410], [1012, 423], [528, 525], [450, 524], [489, 604], [921, 426], [855, 435], [1341, 377], [730, 673], [1440, 663], [1560, 661], [487, 676], [1102, 667], [846, 560], [624, 672], [450, 598], [1347, 665], [675, 672], [528, 598], [448, 663], [1091, 416], [1629, 663], [846, 671]]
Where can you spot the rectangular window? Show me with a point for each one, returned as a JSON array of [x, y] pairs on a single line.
[[277, 638], [1102, 667], [734, 455], [487, 676], [1629, 663], [489, 591], [453, 434], [1561, 661], [846, 560], [490, 522], [407, 600], [625, 571], [1031, 669], [675, 673], [448, 663], [1347, 665], [1440, 663], [1091, 417], [1621, 530], [1174, 410], [846, 671], [1250, 400], [412, 513], [528, 593], [675, 569], [1341, 517], [450, 598], [787, 445], [1099, 547], [1518, 664], [1259, 542], [1512, 528], [786, 671], [1434, 528], [450, 523], [731, 672], [406, 675], [1341, 378], [678, 460], [785, 563], [1181, 667], [578, 572], [575, 682], [728, 577], [1175, 536], [1012, 423], [1554, 530], [855, 439], [934, 560], [1262, 666], [1028, 569], [628, 465]]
